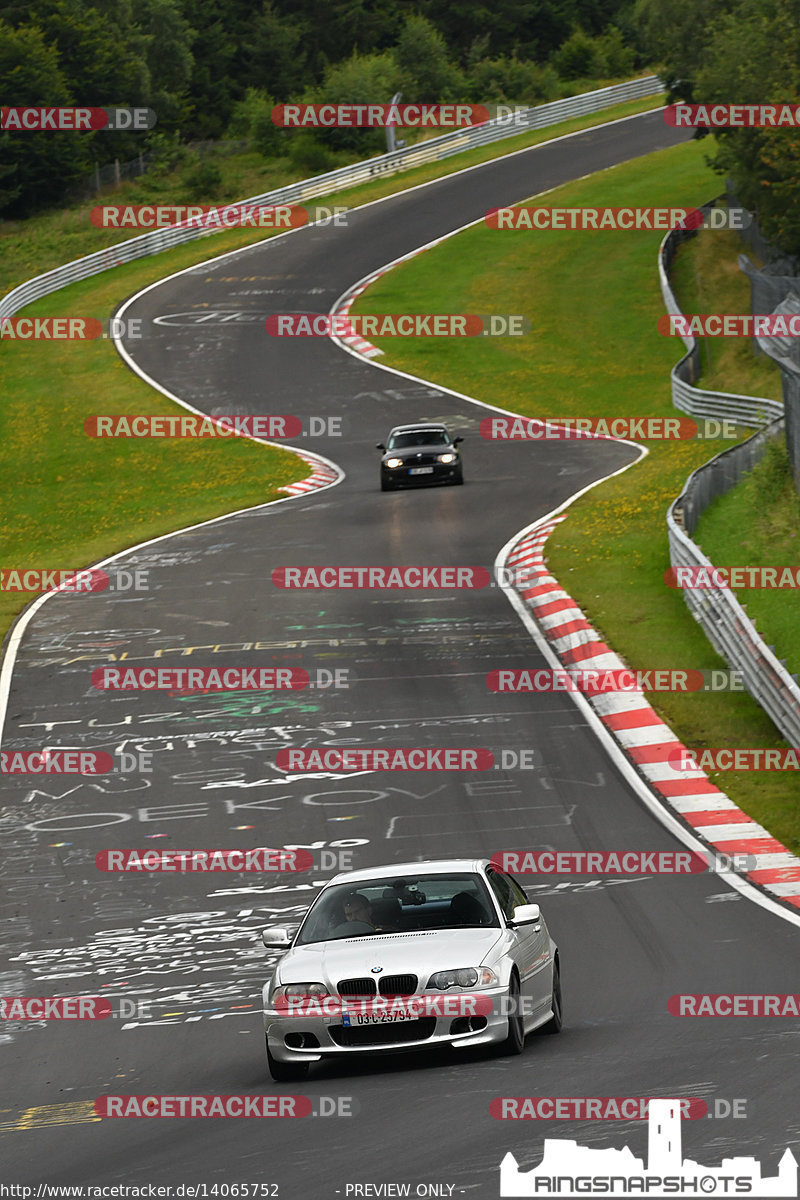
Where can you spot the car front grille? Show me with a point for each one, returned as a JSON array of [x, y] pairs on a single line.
[[396, 1032], [398, 985], [356, 987]]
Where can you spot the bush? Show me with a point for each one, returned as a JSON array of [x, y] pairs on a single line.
[[619, 58], [309, 155], [203, 181], [360, 79], [511, 81], [252, 119], [580, 57]]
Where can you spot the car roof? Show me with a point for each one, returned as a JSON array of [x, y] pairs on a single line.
[[439, 866], [417, 428]]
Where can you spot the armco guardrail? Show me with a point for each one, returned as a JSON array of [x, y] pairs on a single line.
[[455, 142], [751, 411], [717, 610], [722, 617]]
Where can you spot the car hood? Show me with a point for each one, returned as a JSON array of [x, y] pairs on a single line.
[[395, 953], [413, 451]]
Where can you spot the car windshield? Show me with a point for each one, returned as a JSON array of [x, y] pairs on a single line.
[[393, 904], [419, 437]]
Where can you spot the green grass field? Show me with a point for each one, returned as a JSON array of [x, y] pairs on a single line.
[[67, 500], [593, 301], [756, 523], [48, 240]]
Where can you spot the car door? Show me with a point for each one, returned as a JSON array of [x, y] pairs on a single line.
[[531, 948]]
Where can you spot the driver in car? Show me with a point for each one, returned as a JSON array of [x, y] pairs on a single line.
[[358, 908]]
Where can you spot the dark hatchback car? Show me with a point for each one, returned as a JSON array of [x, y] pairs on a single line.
[[420, 454]]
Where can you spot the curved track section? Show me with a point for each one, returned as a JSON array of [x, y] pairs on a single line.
[[185, 945]]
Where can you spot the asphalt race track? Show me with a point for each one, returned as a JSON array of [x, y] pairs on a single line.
[[186, 946]]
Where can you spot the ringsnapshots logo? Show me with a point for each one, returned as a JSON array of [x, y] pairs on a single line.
[[568, 1169]]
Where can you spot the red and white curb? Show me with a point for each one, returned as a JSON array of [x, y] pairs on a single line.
[[343, 305], [642, 735], [322, 476]]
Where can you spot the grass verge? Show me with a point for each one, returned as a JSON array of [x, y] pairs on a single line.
[[43, 242], [593, 301], [757, 522], [67, 500]]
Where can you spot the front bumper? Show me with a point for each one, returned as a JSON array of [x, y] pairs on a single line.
[[441, 472], [329, 1033]]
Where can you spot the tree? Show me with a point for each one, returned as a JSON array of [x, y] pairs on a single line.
[[677, 36], [277, 57], [426, 72], [754, 57], [167, 39], [360, 79], [37, 168]]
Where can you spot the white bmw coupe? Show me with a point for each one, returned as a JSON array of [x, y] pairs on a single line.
[[410, 956]]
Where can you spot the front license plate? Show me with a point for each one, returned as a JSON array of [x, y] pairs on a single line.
[[378, 1018], [421, 471]]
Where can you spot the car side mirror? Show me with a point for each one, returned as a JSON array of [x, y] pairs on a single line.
[[276, 935], [526, 914], [457, 440], [380, 446]]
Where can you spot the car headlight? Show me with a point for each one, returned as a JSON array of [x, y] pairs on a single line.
[[394, 462], [463, 977], [447, 458], [299, 989]]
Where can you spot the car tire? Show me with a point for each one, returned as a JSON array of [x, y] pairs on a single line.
[[289, 1072], [515, 1042], [459, 478], [557, 1019], [386, 486]]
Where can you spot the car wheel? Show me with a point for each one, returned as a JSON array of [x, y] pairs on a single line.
[[289, 1072], [386, 486], [459, 478], [556, 1021], [515, 1042]]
